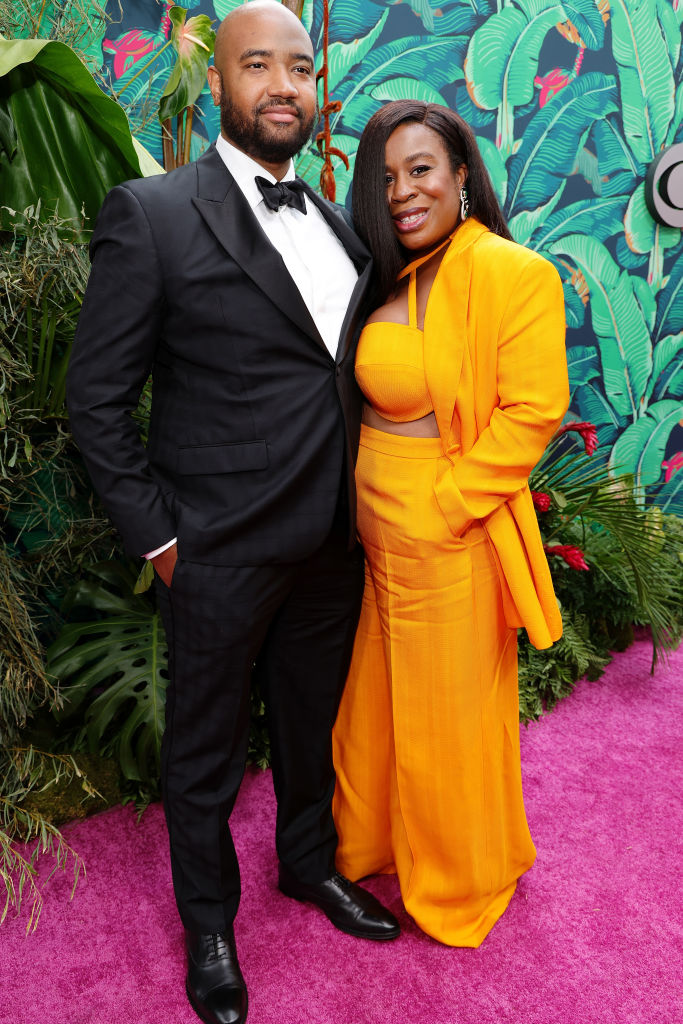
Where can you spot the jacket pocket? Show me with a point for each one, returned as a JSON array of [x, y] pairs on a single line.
[[207, 459]]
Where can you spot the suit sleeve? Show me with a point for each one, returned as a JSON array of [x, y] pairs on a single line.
[[533, 393], [116, 340]]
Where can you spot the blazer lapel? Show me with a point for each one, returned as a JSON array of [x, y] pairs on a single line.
[[446, 321], [229, 217]]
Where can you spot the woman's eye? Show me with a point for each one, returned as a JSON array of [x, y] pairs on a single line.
[[421, 169], [388, 179]]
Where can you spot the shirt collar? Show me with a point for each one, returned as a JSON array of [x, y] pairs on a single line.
[[244, 170]]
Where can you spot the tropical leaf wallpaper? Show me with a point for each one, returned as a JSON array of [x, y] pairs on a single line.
[[571, 101]]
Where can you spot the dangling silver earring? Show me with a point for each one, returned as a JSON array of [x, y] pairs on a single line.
[[464, 204]]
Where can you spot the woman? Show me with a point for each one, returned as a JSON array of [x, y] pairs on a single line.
[[463, 368]]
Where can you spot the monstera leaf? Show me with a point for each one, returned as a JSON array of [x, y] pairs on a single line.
[[193, 41], [617, 319], [645, 38], [552, 139], [117, 666], [639, 451], [502, 60], [71, 142]]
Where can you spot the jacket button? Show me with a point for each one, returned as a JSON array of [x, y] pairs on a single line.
[[338, 370]]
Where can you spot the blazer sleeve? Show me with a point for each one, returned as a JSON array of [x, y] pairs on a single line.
[[114, 347], [533, 395]]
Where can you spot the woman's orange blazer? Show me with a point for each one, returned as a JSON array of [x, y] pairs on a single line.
[[496, 369]]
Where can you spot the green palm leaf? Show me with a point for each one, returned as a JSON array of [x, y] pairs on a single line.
[[601, 504], [669, 497], [641, 48], [617, 318], [502, 60], [73, 142], [552, 139], [583, 365], [645, 235], [423, 58], [343, 57], [619, 169], [669, 319], [601, 217], [640, 449], [666, 359], [406, 89], [585, 15]]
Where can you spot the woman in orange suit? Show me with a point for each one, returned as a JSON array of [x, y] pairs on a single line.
[[463, 368]]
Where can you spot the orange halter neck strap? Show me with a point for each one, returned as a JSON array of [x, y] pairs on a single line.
[[412, 267]]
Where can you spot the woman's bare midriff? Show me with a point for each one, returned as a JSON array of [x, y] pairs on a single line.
[[424, 427]]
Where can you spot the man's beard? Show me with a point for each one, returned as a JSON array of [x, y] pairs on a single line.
[[261, 139]]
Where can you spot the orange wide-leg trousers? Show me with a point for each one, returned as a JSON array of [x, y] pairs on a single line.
[[426, 744]]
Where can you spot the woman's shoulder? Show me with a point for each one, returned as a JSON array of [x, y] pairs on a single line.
[[508, 255]]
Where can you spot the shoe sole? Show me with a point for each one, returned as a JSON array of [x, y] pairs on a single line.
[[388, 937], [207, 1020]]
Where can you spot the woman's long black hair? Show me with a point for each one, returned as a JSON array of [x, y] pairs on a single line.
[[370, 210]]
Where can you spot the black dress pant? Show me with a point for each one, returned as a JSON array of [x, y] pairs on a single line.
[[294, 626]]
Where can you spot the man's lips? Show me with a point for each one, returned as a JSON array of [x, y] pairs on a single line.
[[410, 220], [280, 115]]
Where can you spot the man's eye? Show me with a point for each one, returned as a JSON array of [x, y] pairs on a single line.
[[304, 69], [256, 64]]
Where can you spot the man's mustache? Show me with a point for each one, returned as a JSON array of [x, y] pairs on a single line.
[[274, 104]]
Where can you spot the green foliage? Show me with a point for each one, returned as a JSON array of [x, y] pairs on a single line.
[[193, 41], [113, 670], [635, 574], [51, 526], [61, 123]]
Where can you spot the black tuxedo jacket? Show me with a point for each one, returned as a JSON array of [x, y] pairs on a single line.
[[254, 425]]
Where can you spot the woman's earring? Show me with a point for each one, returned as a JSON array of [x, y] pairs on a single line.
[[464, 204]]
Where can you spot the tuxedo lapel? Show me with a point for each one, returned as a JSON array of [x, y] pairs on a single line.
[[229, 217]]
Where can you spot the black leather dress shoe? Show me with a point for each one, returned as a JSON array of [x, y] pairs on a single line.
[[215, 986], [349, 908]]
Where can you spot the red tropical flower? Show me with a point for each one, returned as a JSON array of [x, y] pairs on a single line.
[[573, 556], [587, 431], [541, 500], [672, 465], [551, 83]]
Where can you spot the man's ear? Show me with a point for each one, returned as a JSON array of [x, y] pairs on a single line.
[[215, 84]]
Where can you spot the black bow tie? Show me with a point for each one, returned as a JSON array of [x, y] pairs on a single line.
[[282, 193]]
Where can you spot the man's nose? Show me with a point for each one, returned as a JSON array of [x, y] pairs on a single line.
[[281, 83]]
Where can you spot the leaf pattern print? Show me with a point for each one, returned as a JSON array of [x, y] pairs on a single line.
[[570, 100]]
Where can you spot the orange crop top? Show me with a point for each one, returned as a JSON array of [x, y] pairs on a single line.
[[390, 365]]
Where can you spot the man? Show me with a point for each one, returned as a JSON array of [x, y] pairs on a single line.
[[242, 295]]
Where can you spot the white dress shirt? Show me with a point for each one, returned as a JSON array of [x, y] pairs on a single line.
[[317, 261]]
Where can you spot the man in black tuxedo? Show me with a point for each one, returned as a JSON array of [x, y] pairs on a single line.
[[240, 290]]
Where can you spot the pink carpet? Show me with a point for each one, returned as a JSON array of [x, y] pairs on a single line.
[[593, 934]]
